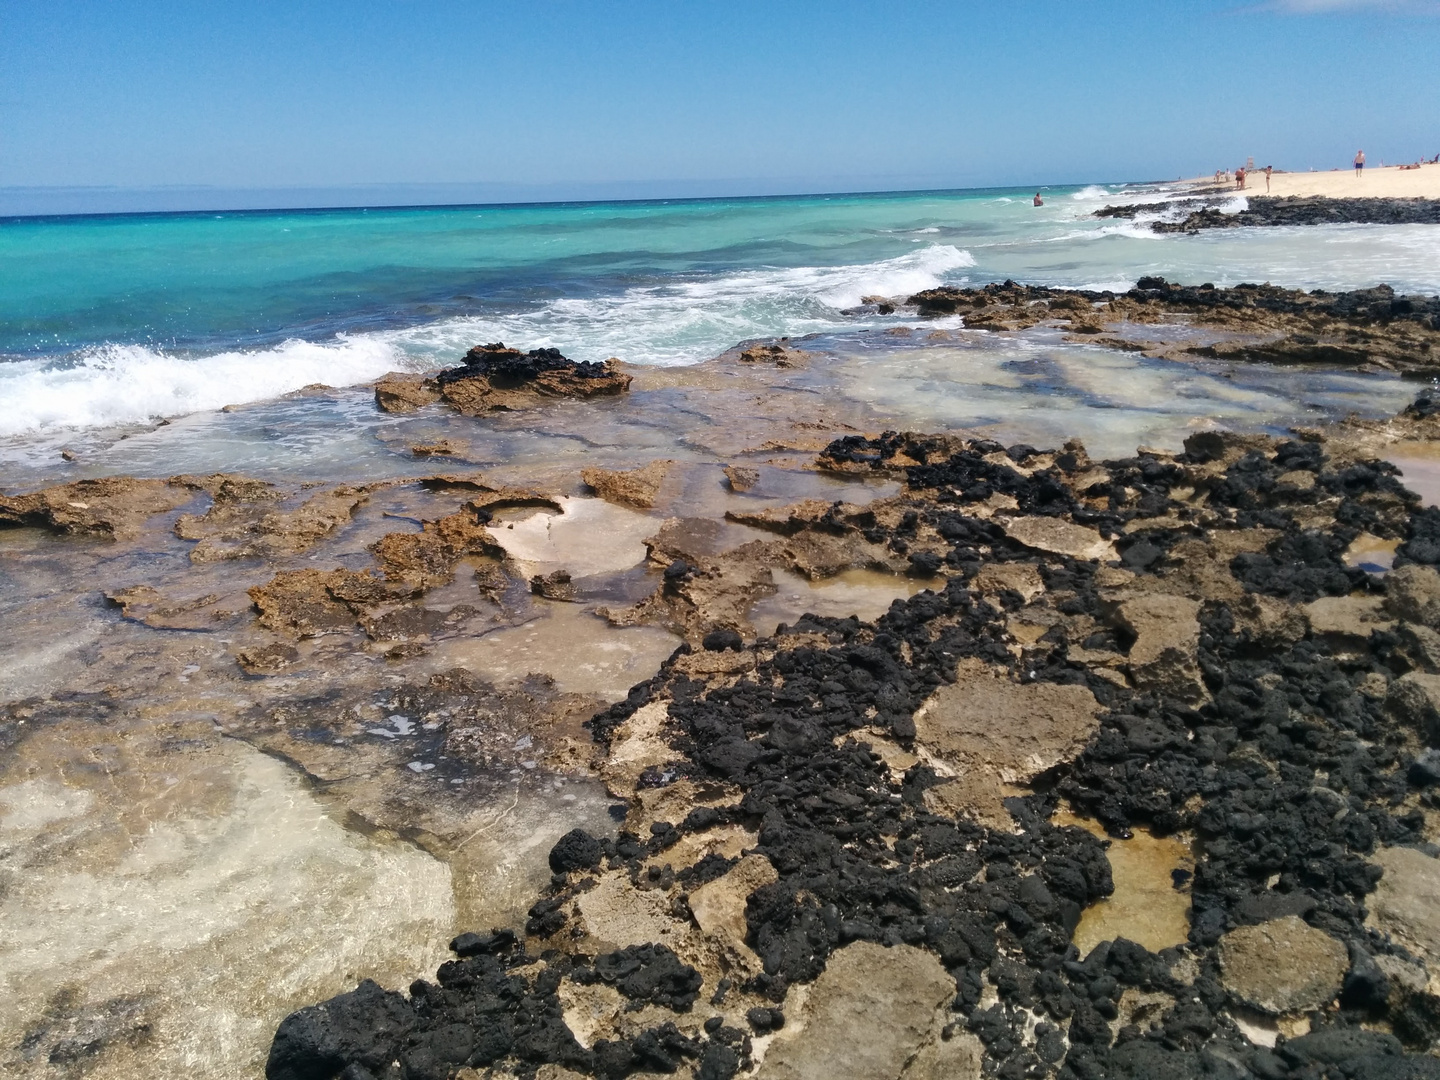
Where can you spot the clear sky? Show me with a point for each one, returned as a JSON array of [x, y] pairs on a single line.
[[559, 98]]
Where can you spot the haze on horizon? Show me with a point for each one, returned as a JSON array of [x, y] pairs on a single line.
[[160, 104]]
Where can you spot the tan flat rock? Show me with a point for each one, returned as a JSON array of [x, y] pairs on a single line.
[[865, 1018], [1059, 537]]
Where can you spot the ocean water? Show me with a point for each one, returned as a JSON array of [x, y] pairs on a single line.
[[119, 320]]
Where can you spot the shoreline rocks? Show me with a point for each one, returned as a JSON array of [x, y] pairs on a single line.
[[1368, 329], [1265, 211], [495, 378], [808, 881]]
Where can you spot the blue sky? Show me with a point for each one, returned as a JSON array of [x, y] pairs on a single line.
[[567, 99]]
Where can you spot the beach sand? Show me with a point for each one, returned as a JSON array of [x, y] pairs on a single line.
[[1390, 182]]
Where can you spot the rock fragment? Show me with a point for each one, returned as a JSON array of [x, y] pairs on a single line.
[[741, 478], [497, 378], [1059, 537]]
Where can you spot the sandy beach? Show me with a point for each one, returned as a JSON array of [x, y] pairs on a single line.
[[1389, 182]]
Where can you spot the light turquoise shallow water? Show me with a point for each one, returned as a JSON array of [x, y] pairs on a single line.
[[114, 320]]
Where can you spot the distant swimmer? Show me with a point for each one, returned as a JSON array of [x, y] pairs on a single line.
[[1039, 201], [1359, 161], [1268, 170]]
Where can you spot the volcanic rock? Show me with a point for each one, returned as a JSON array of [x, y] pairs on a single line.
[[495, 377], [365, 1027]]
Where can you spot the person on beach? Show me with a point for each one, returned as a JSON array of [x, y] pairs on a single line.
[[1239, 178], [1359, 161], [1039, 201], [1268, 170]]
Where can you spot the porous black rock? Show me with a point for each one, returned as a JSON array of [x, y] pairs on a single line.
[[576, 850], [721, 640], [506, 366], [365, 1027]]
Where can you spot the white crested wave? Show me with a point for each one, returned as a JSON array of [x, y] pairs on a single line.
[[1091, 193], [124, 384], [678, 322]]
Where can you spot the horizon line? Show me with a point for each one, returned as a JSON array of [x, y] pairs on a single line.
[[517, 203]]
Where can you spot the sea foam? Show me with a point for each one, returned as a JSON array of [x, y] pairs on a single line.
[[680, 321]]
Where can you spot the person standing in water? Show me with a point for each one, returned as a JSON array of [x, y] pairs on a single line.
[[1359, 161], [1039, 201]]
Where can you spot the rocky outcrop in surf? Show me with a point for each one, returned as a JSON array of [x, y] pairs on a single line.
[[495, 377], [1263, 210], [1364, 328]]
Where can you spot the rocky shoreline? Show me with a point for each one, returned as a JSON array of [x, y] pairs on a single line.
[[1264, 211], [858, 818], [1369, 329], [1136, 776]]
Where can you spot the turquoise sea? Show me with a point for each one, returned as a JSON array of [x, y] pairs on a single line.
[[108, 321]]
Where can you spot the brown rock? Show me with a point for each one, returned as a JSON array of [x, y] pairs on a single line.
[[996, 732], [1414, 698], [865, 1017], [401, 393], [1412, 593], [777, 354], [148, 605], [719, 906], [238, 528], [741, 478], [1017, 577], [267, 658], [556, 586], [1283, 966], [440, 446], [299, 602], [1167, 642], [1406, 901], [114, 507], [1347, 620], [427, 559], [495, 377], [637, 488]]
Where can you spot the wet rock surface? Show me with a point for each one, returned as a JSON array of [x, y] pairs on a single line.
[[1371, 329], [1175, 675]]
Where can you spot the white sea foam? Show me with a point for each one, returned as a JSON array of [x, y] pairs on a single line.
[[120, 384], [679, 322], [1091, 193]]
